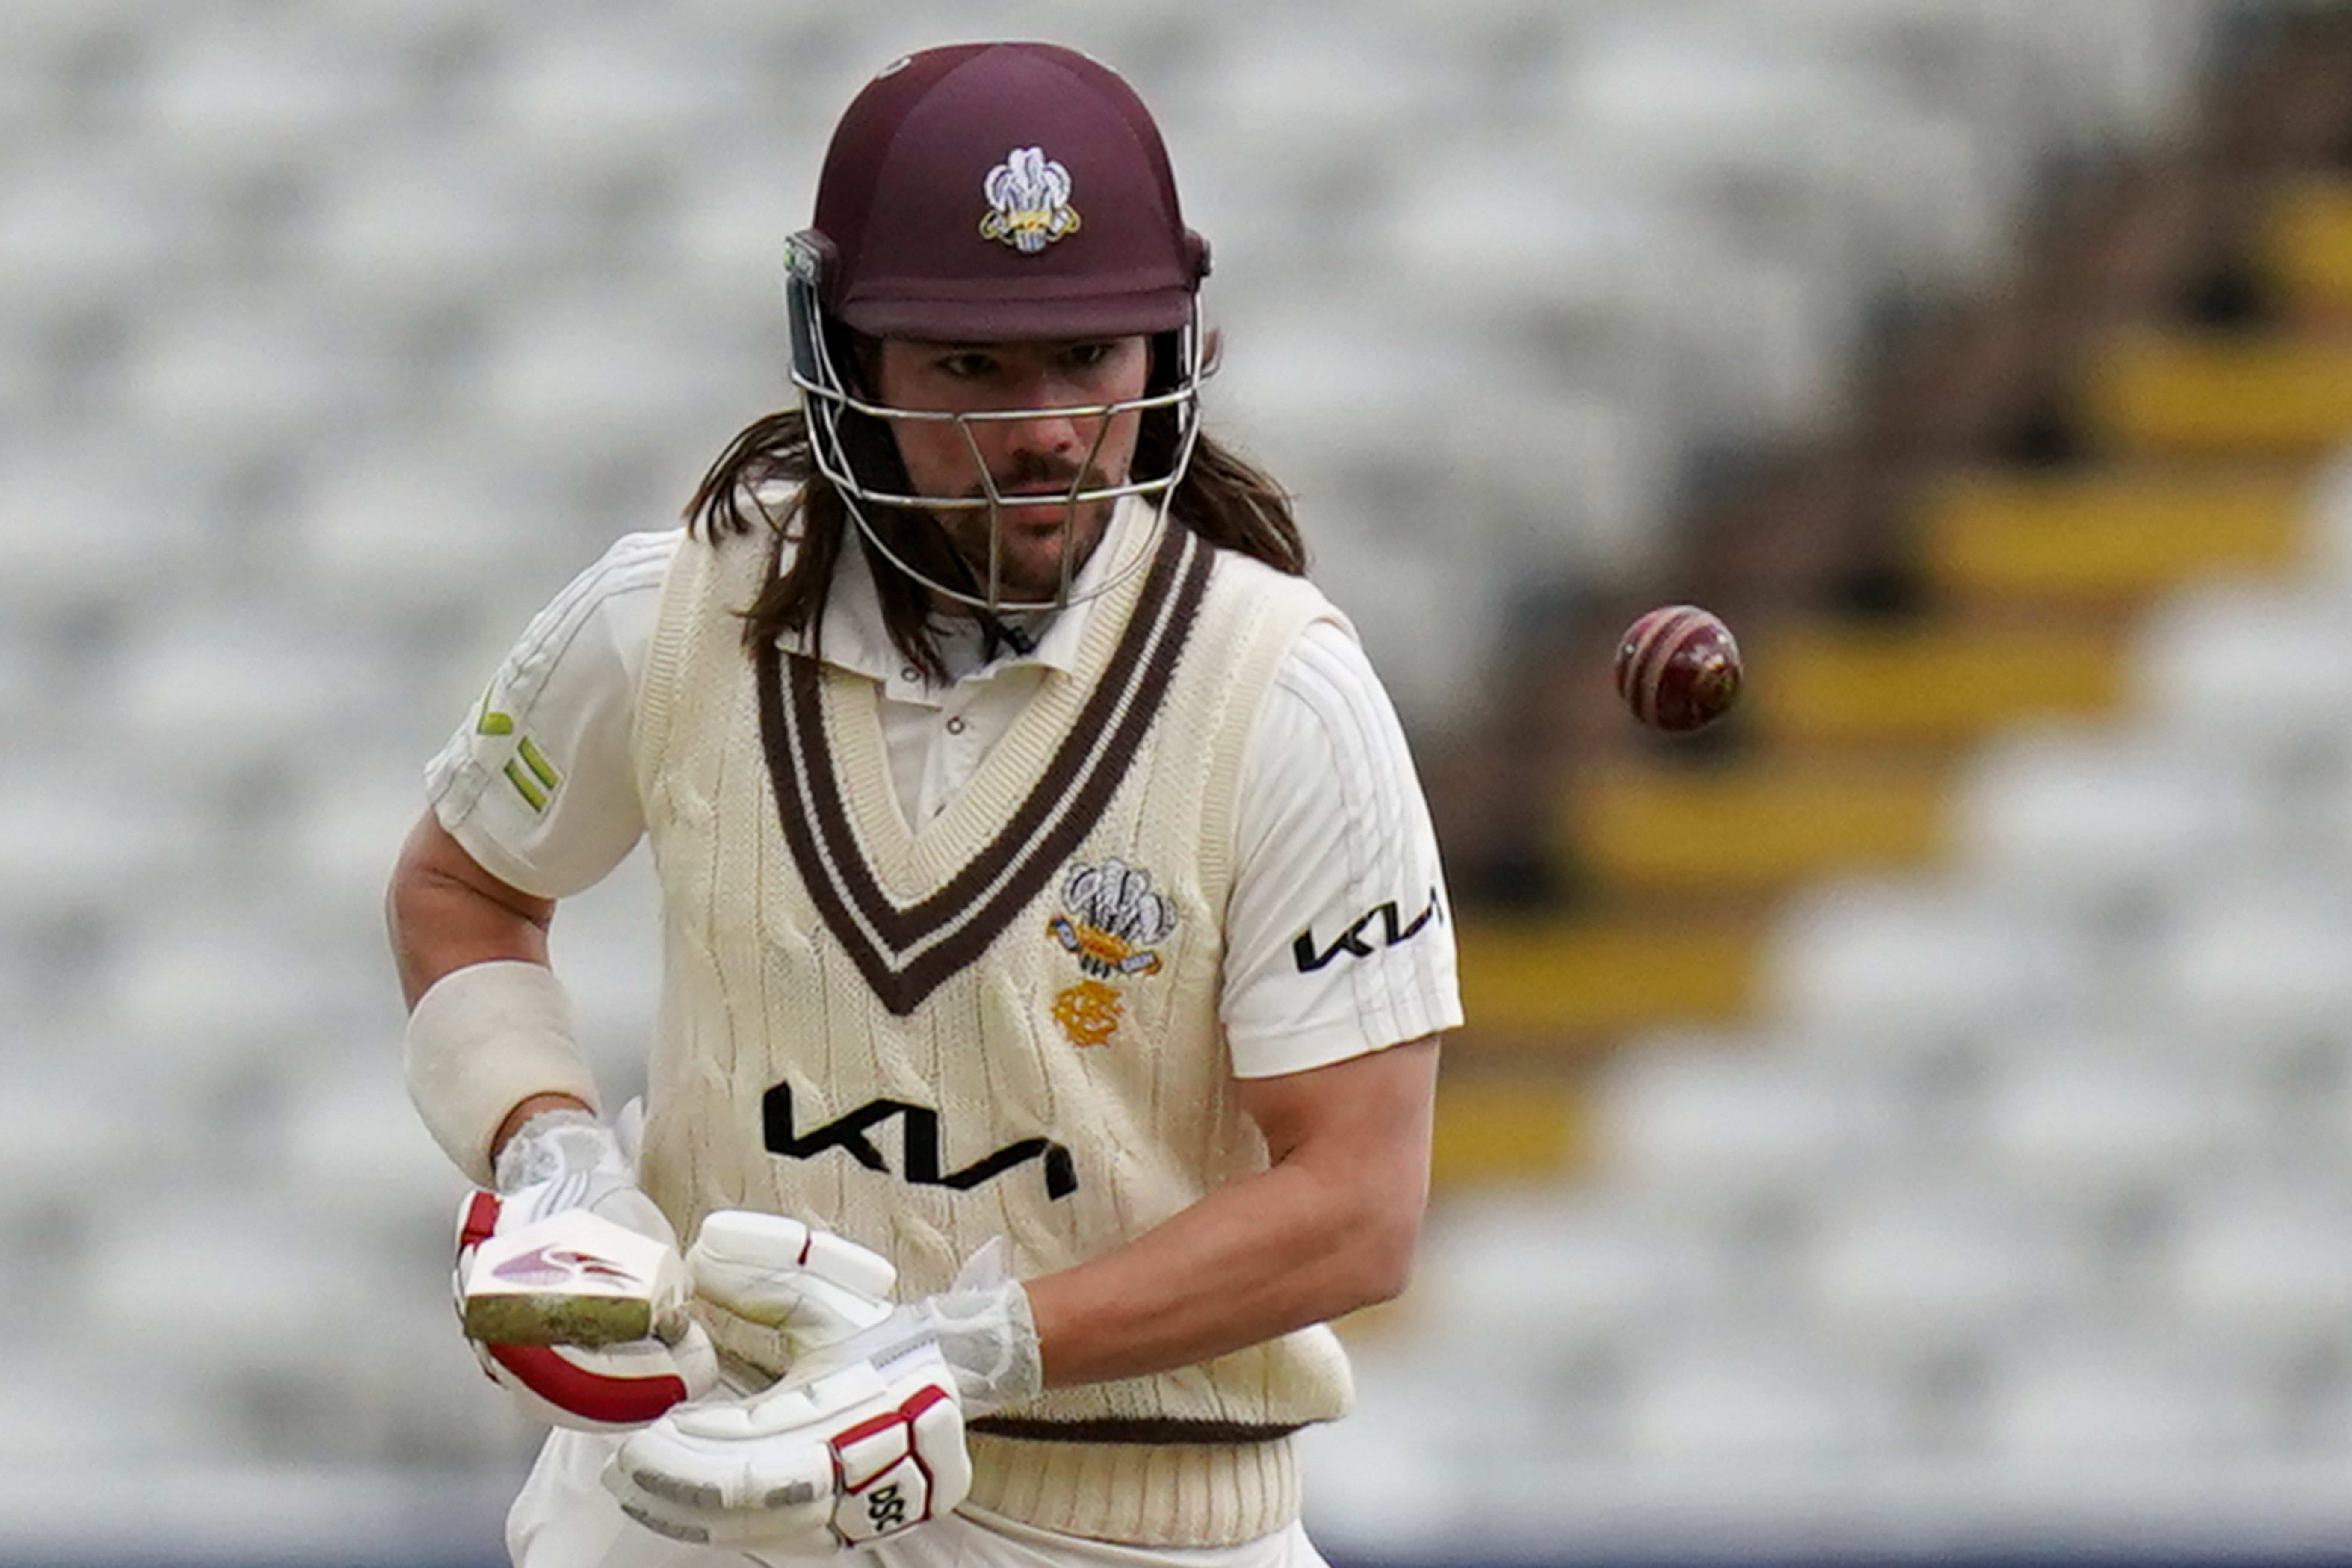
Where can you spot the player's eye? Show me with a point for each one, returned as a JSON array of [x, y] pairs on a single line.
[[967, 366], [1088, 356]]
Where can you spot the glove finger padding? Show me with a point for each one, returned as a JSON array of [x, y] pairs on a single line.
[[607, 1388], [813, 1286], [807, 1468], [981, 1325]]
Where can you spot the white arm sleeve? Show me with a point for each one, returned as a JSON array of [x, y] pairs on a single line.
[[539, 783], [1338, 937]]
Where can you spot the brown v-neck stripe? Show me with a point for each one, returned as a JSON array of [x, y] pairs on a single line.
[[953, 925], [1126, 677]]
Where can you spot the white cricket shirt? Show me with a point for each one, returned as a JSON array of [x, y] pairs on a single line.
[[1327, 954]]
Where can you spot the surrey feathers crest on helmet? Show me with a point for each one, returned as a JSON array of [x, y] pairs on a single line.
[[985, 193]]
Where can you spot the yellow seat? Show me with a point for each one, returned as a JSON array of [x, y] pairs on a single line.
[[1563, 981], [1755, 829], [2117, 534], [2218, 393], [1492, 1130], [1933, 684], [2308, 244]]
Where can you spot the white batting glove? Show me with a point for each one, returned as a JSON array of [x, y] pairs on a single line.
[[864, 1438], [980, 1326], [813, 1286], [559, 1168], [805, 1470], [830, 1297]]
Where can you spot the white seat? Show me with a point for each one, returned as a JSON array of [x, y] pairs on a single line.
[[728, 212], [2327, 500], [2088, 816], [2257, 956], [192, 979], [1726, 1117], [608, 948], [2254, 668], [1604, 527], [50, 578], [252, 376], [437, 220], [229, 1277], [209, 686], [71, 830], [1922, 1267], [1540, 1274], [1746, 1396], [622, 89], [92, 225], [2094, 1115], [77, 1407], [353, 1146], [595, 373], [242, 88], [2252, 1257], [61, 1120], [1924, 957], [1303, 92], [1733, 106], [2100, 1404], [1554, 227], [345, 826], [415, 527]]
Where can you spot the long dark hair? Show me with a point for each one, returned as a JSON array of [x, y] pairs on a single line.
[[767, 479]]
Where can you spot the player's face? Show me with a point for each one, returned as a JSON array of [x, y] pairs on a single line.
[[1046, 457]]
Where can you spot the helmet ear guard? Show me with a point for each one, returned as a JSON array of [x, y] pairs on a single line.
[[824, 369], [808, 261], [1176, 360]]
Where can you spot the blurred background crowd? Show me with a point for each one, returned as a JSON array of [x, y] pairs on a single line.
[[1912, 1119]]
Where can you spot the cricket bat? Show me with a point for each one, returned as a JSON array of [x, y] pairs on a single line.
[[573, 1278]]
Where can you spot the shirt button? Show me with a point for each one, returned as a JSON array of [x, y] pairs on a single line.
[[955, 726], [911, 674]]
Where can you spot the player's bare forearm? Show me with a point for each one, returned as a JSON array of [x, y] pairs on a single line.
[[1329, 1226], [444, 913]]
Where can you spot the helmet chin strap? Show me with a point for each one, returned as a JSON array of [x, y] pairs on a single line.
[[999, 635]]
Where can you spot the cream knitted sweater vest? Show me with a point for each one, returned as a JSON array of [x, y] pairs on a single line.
[[1004, 1022]]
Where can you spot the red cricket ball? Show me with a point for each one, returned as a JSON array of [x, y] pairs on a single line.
[[1678, 669]]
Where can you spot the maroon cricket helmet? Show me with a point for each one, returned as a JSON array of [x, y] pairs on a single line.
[[998, 191]]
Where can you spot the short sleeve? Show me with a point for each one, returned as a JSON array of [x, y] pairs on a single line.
[[1340, 939], [539, 783]]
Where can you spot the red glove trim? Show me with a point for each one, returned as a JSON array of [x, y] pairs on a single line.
[[614, 1401], [903, 1415], [480, 1220]]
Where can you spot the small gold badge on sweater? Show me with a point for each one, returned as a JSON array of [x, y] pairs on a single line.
[[1110, 917]]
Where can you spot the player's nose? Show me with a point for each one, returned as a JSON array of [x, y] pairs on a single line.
[[1056, 436]]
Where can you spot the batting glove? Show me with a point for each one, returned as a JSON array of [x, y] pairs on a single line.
[[807, 1468], [830, 1299], [864, 1438], [814, 1288], [571, 1229], [980, 1326]]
